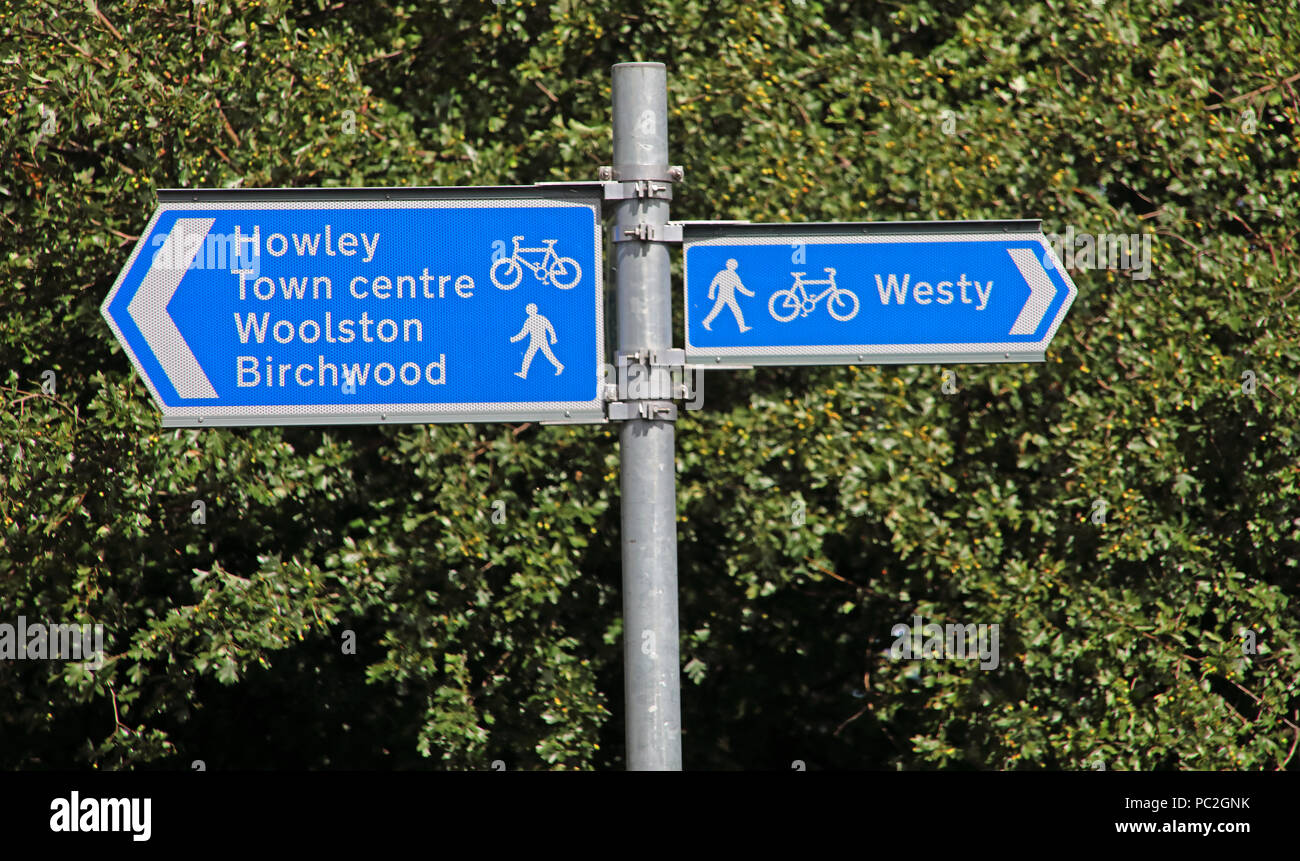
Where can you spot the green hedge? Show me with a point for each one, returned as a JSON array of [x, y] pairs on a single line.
[[1172, 400]]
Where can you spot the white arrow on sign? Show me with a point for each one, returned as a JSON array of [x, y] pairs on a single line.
[[148, 308], [1041, 291]]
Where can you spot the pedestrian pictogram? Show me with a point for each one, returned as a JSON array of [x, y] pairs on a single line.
[[538, 329], [725, 285]]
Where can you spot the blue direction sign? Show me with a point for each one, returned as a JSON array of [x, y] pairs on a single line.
[[329, 306], [877, 293]]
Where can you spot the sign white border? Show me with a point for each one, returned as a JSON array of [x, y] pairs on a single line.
[[591, 411], [846, 233]]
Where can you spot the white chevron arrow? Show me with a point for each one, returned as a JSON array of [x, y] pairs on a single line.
[[1041, 291], [148, 308]]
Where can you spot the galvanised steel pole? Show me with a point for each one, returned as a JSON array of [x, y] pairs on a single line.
[[646, 446]]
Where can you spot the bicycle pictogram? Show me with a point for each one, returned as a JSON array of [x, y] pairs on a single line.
[[563, 272], [842, 304]]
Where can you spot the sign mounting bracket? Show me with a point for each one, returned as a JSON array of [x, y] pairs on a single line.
[[657, 372]]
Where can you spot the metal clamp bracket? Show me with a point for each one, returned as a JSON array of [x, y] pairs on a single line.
[[671, 361], [655, 411], [639, 189], [634, 172], [668, 232], [670, 358]]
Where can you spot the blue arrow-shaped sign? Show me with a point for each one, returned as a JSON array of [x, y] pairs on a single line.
[[327, 306], [877, 293]]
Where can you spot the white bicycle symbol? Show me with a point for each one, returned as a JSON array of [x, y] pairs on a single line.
[[563, 272], [843, 303]]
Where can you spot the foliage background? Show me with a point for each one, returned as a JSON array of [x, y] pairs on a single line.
[[478, 641]]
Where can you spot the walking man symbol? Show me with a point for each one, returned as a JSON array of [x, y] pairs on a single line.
[[538, 329], [725, 284]]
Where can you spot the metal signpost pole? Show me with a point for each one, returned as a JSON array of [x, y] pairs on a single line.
[[646, 450]]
